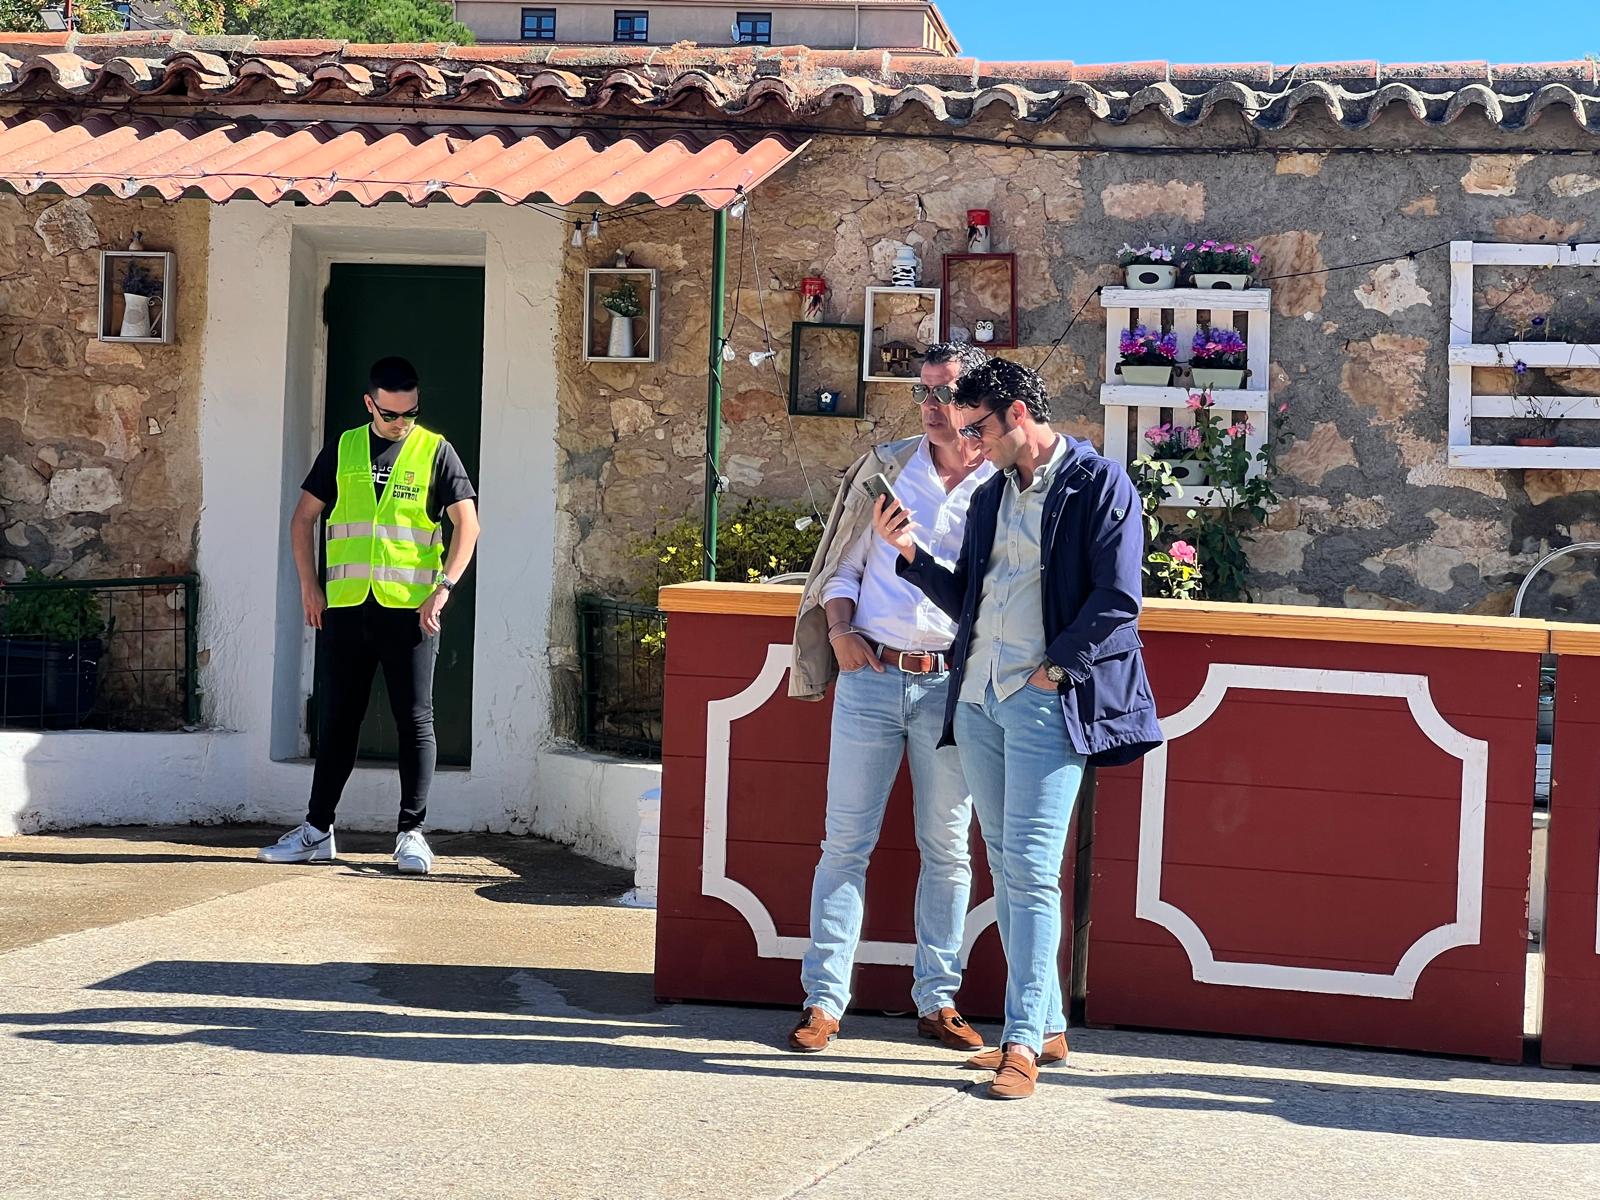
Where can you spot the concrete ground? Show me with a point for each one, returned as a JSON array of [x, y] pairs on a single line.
[[178, 1020]]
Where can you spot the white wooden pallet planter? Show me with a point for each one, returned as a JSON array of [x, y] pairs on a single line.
[[1465, 354], [1130, 409]]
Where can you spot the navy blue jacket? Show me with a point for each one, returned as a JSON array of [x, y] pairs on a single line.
[[1092, 552]]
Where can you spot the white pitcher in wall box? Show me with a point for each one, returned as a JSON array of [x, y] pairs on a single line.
[[140, 315]]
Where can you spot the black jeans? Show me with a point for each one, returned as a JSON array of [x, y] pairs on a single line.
[[354, 643]]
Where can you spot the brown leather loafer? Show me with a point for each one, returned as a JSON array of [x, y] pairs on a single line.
[[1055, 1050], [947, 1026], [1016, 1079], [815, 1031]]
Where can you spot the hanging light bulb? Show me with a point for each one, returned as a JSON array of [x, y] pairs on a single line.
[[727, 352], [594, 226], [757, 357], [577, 234], [736, 210]]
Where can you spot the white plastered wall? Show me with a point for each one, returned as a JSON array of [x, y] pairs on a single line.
[[261, 415]]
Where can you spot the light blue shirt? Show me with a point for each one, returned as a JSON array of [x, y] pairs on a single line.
[[1008, 642]]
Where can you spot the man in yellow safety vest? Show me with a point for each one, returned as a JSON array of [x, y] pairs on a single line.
[[389, 484]]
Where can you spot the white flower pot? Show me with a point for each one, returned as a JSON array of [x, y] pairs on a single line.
[[1146, 376], [137, 317], [1150, 277], [1218, 379], [1235, 283], [621, 345], [1190, 472]]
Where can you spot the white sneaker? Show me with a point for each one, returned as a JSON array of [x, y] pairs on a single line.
[[304, 843], [411, 853]]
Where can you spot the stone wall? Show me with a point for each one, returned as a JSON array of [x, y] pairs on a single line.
[[1372, 516], [99, 441]]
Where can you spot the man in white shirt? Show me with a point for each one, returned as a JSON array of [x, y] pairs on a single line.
[[890, 643]]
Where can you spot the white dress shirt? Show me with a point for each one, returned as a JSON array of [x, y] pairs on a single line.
[[889, 610]]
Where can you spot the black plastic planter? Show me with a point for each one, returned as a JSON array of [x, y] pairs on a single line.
[[48, 685]]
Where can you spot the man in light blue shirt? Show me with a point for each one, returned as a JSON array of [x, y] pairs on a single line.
[[890, 643]]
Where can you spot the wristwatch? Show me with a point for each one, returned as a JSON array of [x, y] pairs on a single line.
[[1054, 673], [443, 580]]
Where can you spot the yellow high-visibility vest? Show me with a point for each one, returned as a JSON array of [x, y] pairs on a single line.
[[386, 546]]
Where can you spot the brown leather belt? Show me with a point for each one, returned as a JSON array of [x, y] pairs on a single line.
[[913, 662]]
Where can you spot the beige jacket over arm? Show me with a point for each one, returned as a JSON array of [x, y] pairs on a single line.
[[814, 666]]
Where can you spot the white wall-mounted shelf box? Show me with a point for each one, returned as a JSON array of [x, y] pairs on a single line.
[[157, 265], [597, 281], [930, 310]]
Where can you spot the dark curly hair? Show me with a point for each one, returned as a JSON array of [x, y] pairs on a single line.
[[997, 383], [968, 355]]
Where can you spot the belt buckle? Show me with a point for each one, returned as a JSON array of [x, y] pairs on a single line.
[[915, 654]]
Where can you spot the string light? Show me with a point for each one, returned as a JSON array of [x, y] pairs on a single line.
[[594, 226], [737, 209], [577, 234]]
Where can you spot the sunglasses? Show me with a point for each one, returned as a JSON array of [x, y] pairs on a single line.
[[974, 431], [944, 394], [386, 415]]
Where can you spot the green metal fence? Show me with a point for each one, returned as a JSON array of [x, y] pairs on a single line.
[[622, 653], [99, 653]]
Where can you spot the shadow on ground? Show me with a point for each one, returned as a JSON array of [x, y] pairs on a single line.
[[541, 872], [601, 1019]]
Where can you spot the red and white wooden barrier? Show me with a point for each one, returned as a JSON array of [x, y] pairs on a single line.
[[1333, 845]]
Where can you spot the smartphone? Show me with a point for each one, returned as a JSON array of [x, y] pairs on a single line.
[[877, 487]]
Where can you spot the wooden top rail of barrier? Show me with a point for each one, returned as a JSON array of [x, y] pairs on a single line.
[[1302, 622]]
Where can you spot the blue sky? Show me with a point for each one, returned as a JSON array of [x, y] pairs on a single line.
[[1279, 31]]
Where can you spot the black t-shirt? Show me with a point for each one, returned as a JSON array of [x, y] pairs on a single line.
[[449, 485]]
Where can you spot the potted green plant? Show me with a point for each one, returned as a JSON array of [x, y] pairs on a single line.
[[50, 650], [622, 302], [1218, 358], [1147, 356], [1149, 267], [1539, 417], [1213, 264]]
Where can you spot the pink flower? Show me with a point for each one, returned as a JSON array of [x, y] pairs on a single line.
[[1283, 408], [1235, 430], [1196, 400], [1182, 552], [1193, 437], [1228, 246]]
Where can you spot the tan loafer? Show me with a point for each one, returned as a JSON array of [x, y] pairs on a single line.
[[815, 1031], [1017, 1076], [948, 1026], [1055, 1050]]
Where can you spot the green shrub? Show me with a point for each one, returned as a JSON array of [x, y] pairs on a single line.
[[755, 541], [52, 614]]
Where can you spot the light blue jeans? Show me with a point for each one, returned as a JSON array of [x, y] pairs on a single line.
[[1025, 779], [879, 718]]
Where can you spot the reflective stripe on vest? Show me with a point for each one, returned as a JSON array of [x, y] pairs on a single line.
[[385, 546]]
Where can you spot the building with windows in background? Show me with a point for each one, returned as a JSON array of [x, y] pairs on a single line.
[[908, 26]]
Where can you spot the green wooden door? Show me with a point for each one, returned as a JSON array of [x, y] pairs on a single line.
[[434, 317]]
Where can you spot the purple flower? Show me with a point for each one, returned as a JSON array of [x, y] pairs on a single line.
[[1537, 322], [1521, 368]]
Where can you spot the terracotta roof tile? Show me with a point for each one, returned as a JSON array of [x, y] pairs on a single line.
[[322, 161], [330, 79]]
